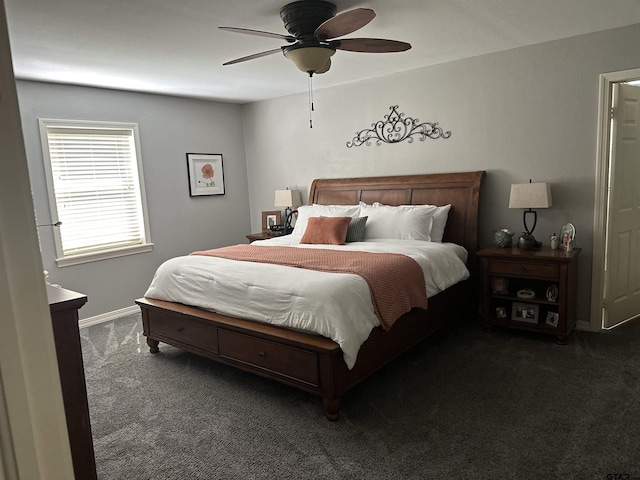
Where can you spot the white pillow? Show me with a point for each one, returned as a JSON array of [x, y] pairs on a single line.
[[439, 219], [315, 210], [404, 223], [439, 222]]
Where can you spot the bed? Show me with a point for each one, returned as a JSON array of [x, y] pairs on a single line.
[[315, 363]]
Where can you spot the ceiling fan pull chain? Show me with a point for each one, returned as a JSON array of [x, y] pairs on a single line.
[[311, 109]]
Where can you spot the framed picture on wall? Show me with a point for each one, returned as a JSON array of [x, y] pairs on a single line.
[[206, 175]]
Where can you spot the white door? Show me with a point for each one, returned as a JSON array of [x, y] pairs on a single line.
[[622, 269]]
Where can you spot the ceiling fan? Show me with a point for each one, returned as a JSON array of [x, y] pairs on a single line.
[[314, 29]]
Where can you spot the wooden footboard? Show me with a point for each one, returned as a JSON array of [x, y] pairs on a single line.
[[302, 360]]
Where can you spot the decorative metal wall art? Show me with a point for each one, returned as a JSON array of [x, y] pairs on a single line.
[[396, 128]]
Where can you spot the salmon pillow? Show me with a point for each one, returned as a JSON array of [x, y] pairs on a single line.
[[326, 230]]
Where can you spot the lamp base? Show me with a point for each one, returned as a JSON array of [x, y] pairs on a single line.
[[288, 229], [528, 242]]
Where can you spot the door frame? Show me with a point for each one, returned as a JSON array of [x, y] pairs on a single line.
[[34, 440], [600, 221]]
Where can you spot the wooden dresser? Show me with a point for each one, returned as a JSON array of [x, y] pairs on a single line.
[[64, 305]]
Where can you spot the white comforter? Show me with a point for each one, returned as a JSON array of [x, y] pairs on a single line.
[[335, 305]]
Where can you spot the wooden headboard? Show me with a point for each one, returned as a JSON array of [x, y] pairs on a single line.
[[461, 190]]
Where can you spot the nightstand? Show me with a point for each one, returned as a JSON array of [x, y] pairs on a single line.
[[252, 237], [532, 290]]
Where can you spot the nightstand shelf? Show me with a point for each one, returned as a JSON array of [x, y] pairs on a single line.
[[508, 270], [512, 298]]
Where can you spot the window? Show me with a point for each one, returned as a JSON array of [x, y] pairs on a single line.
[[96, 189]]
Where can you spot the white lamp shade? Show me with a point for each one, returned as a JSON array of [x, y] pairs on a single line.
[[287, 198], [310, 59], [530, 195]]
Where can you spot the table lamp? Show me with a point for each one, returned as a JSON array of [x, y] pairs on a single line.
[[530, 196], [291, 200]]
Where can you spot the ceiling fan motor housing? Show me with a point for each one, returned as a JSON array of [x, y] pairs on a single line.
[[301, 18]]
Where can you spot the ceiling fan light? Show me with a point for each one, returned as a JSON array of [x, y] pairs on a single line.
[[310, 59], [326, 67]]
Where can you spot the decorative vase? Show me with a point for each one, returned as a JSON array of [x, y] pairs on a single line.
[[502, 238], [526, 241]]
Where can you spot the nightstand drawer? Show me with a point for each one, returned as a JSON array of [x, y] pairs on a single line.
[[540, 270]]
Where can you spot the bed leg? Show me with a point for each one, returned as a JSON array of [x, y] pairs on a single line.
[[153, 345], [331, 408]]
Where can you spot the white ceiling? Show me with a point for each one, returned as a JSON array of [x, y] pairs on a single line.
[[174, 46]]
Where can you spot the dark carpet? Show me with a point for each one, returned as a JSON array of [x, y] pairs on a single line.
[[464, 404]]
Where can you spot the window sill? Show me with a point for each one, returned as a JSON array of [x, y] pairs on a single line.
[[96, 257]]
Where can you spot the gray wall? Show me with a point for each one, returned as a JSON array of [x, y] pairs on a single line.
[[169, 128], [527, 113]]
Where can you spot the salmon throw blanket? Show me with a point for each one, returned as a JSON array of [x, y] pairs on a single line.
[[396, 281]]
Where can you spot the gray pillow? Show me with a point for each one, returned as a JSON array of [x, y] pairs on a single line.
[[355, 232]]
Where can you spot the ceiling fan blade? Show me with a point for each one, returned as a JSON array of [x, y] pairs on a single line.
[[251, 57], [345, 23], [370, 45], [259, 33]]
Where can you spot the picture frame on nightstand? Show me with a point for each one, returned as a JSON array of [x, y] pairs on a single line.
[[271, 219], [567, 235], [499, 285], [524, 312], [552, 293], [552, 319]]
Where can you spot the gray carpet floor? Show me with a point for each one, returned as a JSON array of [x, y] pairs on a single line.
[[464, 404]]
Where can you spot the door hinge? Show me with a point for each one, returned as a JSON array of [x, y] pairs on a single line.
[[612, 113]]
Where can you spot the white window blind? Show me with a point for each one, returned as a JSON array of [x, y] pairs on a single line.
[[97, 189]]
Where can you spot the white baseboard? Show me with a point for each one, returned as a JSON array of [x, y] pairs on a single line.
[[585, 326], [105, 317]]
